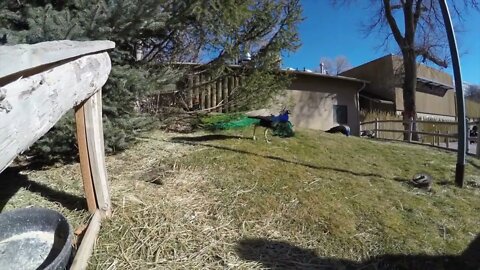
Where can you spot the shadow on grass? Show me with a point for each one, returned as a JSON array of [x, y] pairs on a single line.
[[11, 181], [189, 141], [473, 164], [283, 255], [210, 137]]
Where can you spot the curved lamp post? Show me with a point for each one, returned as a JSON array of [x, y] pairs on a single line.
[[462, 132]]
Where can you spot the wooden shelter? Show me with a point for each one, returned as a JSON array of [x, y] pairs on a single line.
[[38, 85]]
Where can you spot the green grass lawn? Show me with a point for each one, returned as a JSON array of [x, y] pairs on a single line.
[[203, 201], [343, 197]]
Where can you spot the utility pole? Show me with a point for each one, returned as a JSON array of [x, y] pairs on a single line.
[[457, 73]]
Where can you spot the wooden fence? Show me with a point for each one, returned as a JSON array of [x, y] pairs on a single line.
[[199, 92], [205, 93], [441, 137]]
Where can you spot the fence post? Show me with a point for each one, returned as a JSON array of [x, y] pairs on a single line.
[[219, 93], [376, 128], [202, 92], [410, 130], [447, 140], [478, 145], [438, 138]]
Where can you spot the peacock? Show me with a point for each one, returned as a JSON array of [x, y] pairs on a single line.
[[344, 129], [278, 124]]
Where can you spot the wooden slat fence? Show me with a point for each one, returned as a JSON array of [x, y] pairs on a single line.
[[205, 93], [444, 134], [198, 92]]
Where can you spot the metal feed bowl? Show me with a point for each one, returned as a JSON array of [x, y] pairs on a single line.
[[34, 238]]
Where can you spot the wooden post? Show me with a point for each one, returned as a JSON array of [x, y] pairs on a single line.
[[196, 90], [84, 160], [237, 86], [190, 91], [202, 91], [219, 94], [376, 128], [438, 138], [410, 130], [225, 93], [447, 141], [96, 151], [214, 94], [231, 88], [208, 102]]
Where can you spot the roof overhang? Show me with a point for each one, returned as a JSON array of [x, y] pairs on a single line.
[[326, 76], [375, 98], [432, 87]]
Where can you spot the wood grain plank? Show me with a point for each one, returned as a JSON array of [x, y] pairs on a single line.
[[84, 159], [96, 152], [30, 106], [25, 56]]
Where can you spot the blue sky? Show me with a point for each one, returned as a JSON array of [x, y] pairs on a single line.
[[332, 31]]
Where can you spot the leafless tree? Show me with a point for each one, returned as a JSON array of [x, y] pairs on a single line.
[[423, 37], [337, 65], [473, 92]]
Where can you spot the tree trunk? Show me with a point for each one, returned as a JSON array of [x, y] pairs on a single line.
[[409, 89]]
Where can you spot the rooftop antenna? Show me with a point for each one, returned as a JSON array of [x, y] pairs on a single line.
[[322, 68]]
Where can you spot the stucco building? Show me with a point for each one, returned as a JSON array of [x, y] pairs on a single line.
[[435, 95], [320, 101]]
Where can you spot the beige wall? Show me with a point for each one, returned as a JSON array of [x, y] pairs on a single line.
[[379, 73], [385, 75], [314, 98], [431, 104], [422, 71]]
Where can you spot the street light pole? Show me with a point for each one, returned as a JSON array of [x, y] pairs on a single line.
[[462, 131]]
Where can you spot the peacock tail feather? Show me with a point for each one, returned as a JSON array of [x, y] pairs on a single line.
[[238, 120], [283, 130], [243, 122], [227, 121]]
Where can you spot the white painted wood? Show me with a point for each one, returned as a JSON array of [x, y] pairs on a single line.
[[96, 151], [80, 262], [21, 57], [30, 106]]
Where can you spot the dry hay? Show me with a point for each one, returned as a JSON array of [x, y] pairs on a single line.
[[178, 222], [172, 224], [173, 213]]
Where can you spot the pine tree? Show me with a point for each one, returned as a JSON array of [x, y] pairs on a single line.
[[167, 31]]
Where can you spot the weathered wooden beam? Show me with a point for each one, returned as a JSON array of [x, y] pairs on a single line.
[[96, 151], [30, 106], [23, 57], [84, 159], [87, 245]]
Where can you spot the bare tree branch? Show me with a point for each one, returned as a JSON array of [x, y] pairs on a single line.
[[393, 24]]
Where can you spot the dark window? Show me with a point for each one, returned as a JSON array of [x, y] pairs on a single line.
[[340, 114]]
